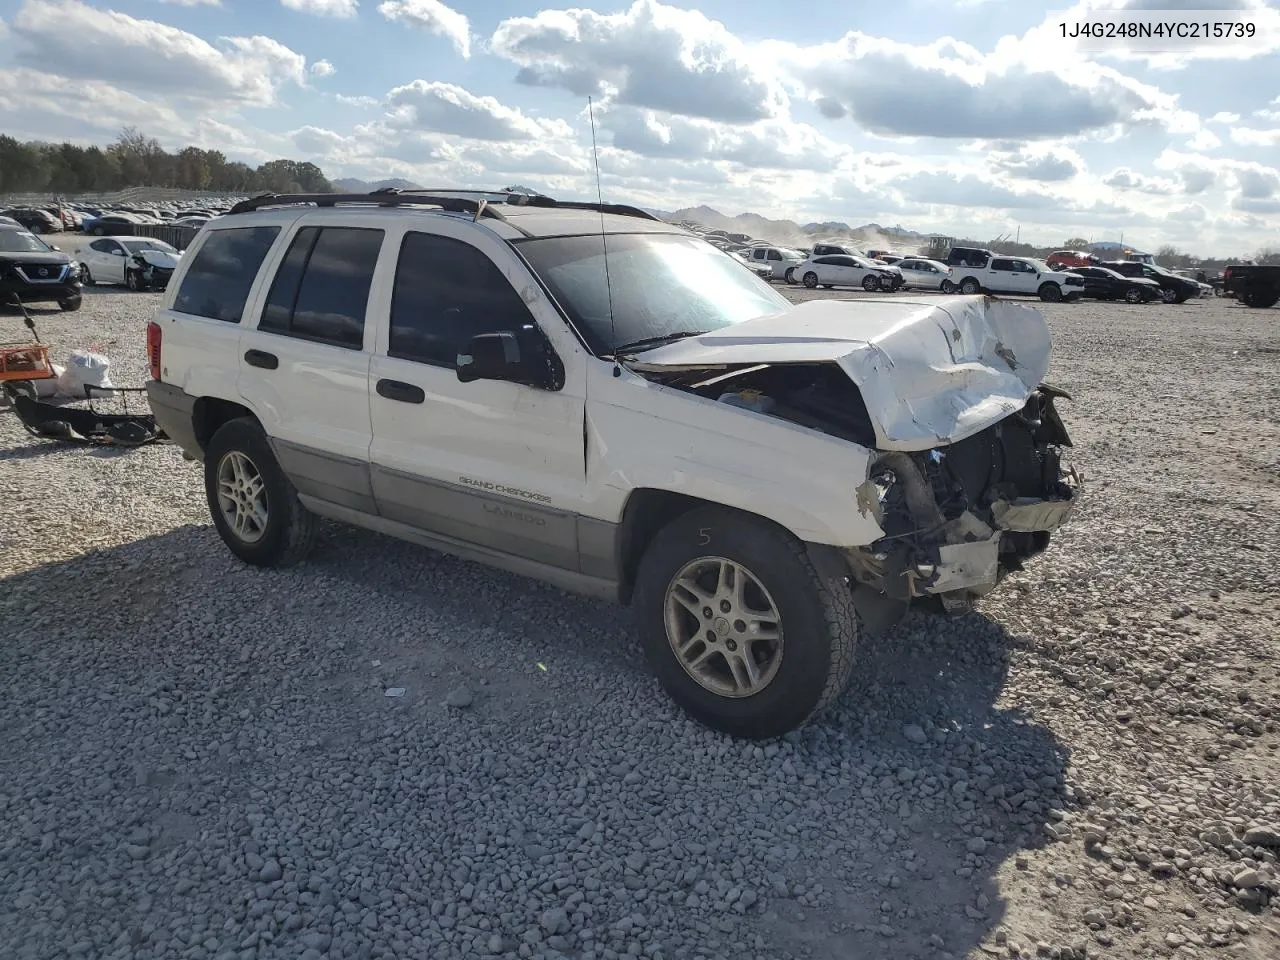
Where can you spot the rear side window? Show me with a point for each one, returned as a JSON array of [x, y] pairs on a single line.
[[321, 290], [1001, 264], [217, 283], [447, 292]]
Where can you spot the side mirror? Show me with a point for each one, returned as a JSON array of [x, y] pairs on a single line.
[[117, 253], [522, 356], [54, 246]]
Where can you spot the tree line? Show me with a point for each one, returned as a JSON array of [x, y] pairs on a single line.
[[136, 160]]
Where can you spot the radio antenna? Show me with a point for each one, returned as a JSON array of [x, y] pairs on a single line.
[[604, 243]]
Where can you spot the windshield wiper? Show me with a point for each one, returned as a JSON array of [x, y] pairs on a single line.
[[648, 342]]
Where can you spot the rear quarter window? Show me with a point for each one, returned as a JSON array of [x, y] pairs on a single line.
[[217, 283]]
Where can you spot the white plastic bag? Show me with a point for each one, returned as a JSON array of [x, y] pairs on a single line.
[[49, 386], [84, 369]]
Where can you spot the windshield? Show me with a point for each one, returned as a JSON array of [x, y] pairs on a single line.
[[661, 284], [137, 246], [20, 241]]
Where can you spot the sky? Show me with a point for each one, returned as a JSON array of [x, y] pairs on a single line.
[[971, 118]]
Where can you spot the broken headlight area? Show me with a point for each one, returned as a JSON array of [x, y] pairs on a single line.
[[958, 518], [153, 277]]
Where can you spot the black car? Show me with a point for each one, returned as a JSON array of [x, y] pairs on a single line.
[[34, 272], [112, 225], [37, 221], [1101, 283], [1173, 288]]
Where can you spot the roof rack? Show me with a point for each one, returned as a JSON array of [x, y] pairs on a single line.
[[480, 202]]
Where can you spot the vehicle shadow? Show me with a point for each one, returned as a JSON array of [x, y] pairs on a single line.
[[883, 823]]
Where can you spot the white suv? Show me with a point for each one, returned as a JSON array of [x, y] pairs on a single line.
[[760, 481]]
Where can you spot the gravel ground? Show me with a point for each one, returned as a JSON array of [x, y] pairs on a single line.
[[199, 759]]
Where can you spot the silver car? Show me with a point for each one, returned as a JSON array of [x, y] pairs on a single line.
[[927, 274]]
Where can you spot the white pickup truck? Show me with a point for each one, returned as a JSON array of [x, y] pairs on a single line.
[[760, 481], [981, 271]]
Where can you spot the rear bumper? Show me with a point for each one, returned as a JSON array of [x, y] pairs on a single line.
[[174, 412]]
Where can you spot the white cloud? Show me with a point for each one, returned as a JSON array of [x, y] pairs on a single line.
[[323, 68], [356, 101], [434, 17], [651, 56], [1204, 140], [1044, 164], [317, 141], [150, 58], [342, 9], [434, 107], [968, 190], [1123, 178], [1225, 117], [773, 144], [1249, 137], [193, 3]]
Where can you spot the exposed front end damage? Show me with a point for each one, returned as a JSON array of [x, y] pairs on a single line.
[[958, 518]]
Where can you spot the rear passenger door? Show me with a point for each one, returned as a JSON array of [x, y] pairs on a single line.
[[495, 464], [304, 367]]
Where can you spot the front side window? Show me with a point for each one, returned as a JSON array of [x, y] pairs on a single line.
[[446, 292], [217, 283], [321, 290], [661, 284]]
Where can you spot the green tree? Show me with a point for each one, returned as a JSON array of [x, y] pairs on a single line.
[[1076, 243]]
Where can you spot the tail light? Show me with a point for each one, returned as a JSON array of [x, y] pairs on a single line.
[[154, 336]]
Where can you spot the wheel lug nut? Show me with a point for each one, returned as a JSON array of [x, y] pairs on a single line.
[[731, 644], [706, 612], [739, 626], [725, 606], [711, 636]]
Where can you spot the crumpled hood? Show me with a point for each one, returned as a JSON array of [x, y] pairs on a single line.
[[160, 258], [931, 371]]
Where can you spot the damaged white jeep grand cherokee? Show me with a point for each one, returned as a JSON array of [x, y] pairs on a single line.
[[598, 399]]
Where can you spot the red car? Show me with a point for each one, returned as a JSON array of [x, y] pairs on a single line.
[[1066, 259]]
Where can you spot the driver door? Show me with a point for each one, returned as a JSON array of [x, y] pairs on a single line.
[[495, 464]]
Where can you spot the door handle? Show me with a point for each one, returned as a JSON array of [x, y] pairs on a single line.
[[398, 390], [260, 358]]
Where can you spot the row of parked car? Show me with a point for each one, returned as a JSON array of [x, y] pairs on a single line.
[[112, 221], [971, 270]]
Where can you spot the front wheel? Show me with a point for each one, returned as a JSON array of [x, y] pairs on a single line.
[[1050, 292], [70, 304], [254, 506], [741, 629], [810, 279], [86, 278], [790, 275], [133, 280], [870, 283]]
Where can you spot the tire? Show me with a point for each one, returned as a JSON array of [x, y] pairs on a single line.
[[828, 286], [1182, 298], [790, 275], [86, 278], [871, 283], [815, 615], [133, 280], [1134, 295], [810, 279], [99, 231], [286, 535], [1261, 299], [969, 286], [1168, 295], [71, 304], [1073, 297], [948, 287], [1050, 292]]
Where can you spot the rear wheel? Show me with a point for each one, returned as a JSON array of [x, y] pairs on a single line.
[[871, 283], [1261, 298], [741, 629], [969, 286], [254, 506], [1133, 295], [810, 279], [948, 286], [790, 275], [1168, 295], [1050, 292]]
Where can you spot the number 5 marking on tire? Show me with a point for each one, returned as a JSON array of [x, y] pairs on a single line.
[[704, 536]]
